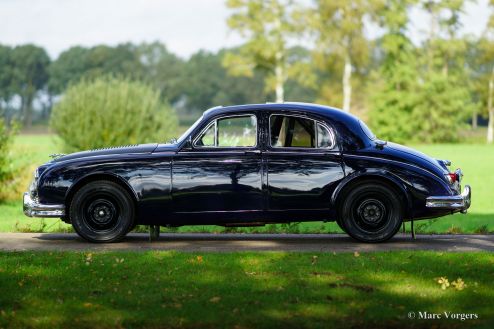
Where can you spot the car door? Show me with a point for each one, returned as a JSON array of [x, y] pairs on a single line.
[[303, 163], [222, 171]]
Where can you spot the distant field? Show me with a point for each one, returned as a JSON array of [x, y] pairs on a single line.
[[476, 160]]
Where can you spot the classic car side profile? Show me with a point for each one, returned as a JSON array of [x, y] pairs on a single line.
[[250, 165]]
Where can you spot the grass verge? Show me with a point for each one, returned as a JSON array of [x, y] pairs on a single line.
[[243, 290]]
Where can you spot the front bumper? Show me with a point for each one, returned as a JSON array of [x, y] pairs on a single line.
[[459, 202], [33, 208]]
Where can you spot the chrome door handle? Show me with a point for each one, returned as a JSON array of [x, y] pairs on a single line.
[[253, 152]]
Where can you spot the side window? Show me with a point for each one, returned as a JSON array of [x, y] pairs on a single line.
[[324, 137], [237, 131], [292, 131]]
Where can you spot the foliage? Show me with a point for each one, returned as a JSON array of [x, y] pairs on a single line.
[[267, 26], [312, 51], [338, 27], [7, 170], [394, 93], [422, 98], [28, 75], [163, 70], [111, 111]]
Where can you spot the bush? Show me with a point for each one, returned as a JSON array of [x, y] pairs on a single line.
[[109, 111], [7, 171]]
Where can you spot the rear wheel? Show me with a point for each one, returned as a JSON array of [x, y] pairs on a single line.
[[102, 211], [371, 212]]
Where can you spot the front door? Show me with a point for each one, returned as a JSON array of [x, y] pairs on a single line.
[[221, 174], [303, 163]]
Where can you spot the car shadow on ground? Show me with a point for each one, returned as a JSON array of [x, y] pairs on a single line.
[[231, 242]]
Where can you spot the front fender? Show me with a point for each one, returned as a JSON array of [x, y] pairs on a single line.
[[147, 176]]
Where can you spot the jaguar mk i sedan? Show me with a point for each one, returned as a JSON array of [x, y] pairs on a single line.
[[250, 165]]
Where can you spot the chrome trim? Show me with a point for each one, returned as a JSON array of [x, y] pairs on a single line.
[[33, 208], [447, 163], [455, 202], [459, 175], [215, 123]]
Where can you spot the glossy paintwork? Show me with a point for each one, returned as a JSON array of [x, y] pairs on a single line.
[[177, 184]]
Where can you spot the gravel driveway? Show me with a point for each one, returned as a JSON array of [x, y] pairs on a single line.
[[246, 242]]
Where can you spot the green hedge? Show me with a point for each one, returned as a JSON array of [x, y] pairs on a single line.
[[109, 111]]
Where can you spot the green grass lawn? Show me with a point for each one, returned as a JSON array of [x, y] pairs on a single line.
[[476, 160], [243, 290]]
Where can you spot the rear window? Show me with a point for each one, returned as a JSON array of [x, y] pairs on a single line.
[[367, 130]]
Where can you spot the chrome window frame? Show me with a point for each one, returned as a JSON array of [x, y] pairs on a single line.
[[316, 122], [215, 122]]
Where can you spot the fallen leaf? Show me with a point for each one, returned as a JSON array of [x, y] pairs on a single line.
[[459, 284], [443, 281], [215, 299], [314, 260]]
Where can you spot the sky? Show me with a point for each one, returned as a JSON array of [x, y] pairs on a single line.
[[185, 26]]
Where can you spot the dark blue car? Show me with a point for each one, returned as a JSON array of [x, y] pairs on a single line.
[[250, 165]]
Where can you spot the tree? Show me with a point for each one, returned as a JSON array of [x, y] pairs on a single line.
[[162, 69], [338, 26], [487, 45], [29, 75], [5, 78], [78, 62], [444, 97], [268, 26], [70, 66], [394, 93], [205, 83]]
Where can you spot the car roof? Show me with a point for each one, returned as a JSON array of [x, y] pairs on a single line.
[[326, 111]]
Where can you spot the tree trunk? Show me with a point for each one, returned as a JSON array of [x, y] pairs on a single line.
[[347, 84], [28, 112], [475, 121], [280, 78], [490, 125], [279, 69]]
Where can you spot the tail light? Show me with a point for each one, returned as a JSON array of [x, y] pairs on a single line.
[[451, 177], [454, 177]]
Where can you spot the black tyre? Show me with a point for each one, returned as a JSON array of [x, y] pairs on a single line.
[[102, 211], [371, 212], [340, 225]]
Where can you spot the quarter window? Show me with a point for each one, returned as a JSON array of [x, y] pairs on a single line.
[[292, 131], [238, 131]]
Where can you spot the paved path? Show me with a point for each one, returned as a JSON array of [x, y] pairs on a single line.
[[246, 242]]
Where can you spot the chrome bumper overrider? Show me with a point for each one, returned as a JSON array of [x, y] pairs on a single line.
[[454, 202], [33, 208]]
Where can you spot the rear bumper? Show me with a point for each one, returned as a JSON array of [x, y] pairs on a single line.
[[33, 208], [459, 202]]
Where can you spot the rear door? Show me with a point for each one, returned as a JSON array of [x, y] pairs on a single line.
[[303, 163]]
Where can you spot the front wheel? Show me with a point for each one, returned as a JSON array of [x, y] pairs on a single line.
[[102, 211], [371, 212]]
